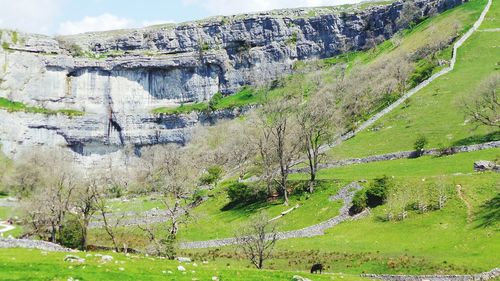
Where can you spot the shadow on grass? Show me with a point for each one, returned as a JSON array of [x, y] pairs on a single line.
[[489, 213], [494, 136], [250, 208]]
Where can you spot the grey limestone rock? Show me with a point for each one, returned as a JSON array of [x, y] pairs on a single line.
[[117, 78]]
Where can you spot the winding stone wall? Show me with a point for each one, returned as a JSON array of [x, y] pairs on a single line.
[[345, 194], [492, 274], [32, 244], [403, 155]]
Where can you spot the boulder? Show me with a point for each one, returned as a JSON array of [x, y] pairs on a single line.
[[483, 165], [181, 268], [106, 258], [300, 278], [72, 259], [183, 259]]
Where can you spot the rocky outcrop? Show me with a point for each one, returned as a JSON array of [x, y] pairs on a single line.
[[483, 166], [118, 77]]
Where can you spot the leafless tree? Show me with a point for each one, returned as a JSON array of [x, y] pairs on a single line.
[[86, 205], [258, 239], [319, 122], [175, 179], [54, 192], [282, 136], [483, 106]]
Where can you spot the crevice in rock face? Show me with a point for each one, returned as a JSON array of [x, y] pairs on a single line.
[[113, 124]]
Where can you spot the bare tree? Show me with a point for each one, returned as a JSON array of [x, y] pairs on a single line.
[[54, 192], [86, 205], [258, 239], [278, 124], [483, 107], [319, 121], [263, 142], [175, 179]]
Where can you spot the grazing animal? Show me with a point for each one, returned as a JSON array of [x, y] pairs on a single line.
[[317, 267]]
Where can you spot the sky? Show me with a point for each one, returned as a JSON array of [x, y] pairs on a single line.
[[63, 17]]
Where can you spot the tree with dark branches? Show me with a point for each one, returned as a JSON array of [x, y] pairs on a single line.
[[258, 239]]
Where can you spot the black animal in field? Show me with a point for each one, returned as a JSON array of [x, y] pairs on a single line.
[[317, 267]]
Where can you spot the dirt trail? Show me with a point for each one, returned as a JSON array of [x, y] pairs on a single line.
[[467, 203]]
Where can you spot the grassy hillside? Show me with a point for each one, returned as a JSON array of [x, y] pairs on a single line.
[[435, 112], [456, 239]]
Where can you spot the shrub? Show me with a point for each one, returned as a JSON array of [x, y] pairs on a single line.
[[15, 37], [5, 46], [420, 144], [116, 191], [205, 46], [213, 176], [239, 193], [358, 202], [422, 72], [376, 194], [71, 233], [214, 101]]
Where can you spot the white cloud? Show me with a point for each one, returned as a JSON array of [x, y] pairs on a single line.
[[29, 15], [98, 23], [228, 7]]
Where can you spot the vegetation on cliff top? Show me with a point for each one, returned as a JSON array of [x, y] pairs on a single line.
[[13, 106]]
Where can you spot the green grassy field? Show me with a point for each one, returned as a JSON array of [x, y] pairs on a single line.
[[19, 264], [312, 210], [427, 166], [442, 240]]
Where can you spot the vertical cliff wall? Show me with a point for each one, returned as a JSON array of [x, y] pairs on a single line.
[[116, 78]]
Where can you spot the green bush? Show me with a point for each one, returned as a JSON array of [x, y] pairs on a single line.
[[5, 46], [214, 101], [71, 234], [116, 191], [213, 176], [358, 202], [420, 144], [15, 37], [376, 194], [240, 193], [422, 72]]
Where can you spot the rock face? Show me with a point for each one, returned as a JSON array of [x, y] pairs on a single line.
[[118, 77], [483, 165]]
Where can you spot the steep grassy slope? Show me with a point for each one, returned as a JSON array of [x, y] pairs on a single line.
[[435, 112]]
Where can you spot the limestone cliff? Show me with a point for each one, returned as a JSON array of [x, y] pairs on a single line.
[[116, 78]]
